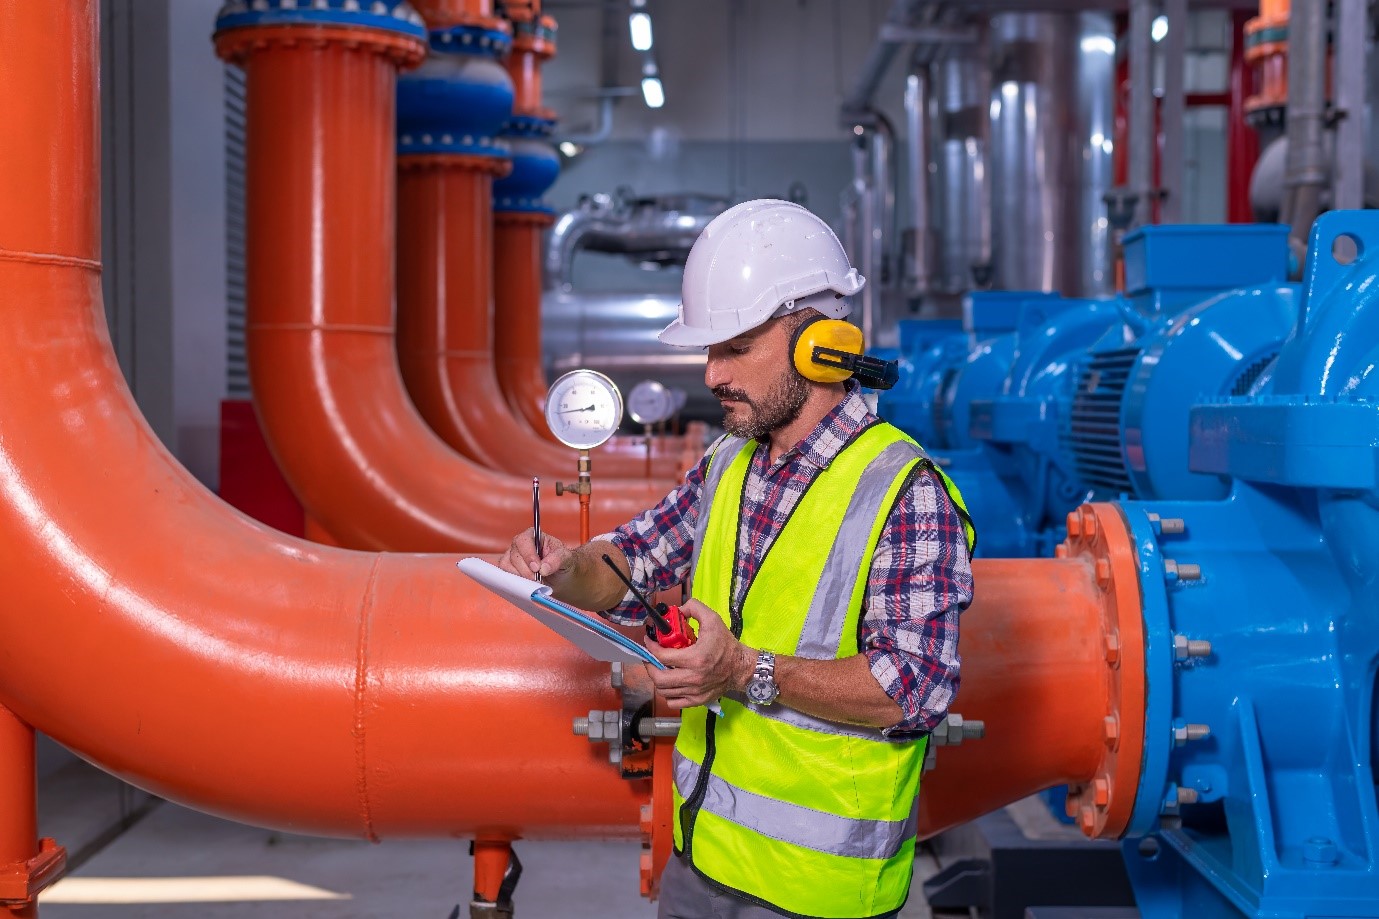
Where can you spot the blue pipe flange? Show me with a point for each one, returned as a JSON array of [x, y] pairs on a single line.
[[385, 15], [471, 39], [454, 103], [529, 126], [535, 167]]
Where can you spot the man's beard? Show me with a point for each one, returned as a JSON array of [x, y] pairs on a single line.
[[780, 407]]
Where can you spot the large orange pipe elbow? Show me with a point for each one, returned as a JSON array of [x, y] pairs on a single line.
[[322, 361], [1053, 663], [445, 327], [201, 656], [517, 313]]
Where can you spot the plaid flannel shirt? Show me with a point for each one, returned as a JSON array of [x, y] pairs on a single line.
[[920, 578]]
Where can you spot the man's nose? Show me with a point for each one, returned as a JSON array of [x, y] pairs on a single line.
[[715, 373]]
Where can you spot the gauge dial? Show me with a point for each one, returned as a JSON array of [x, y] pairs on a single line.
[[650, 403], [583, 409]]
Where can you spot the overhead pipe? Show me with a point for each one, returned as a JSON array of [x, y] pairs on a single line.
[[324, 371], [217, 663], [1141, 127], [901, 15], [450, 111], [919, 276]]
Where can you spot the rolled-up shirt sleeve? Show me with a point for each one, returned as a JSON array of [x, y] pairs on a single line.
[[659, 543], [919, 584]]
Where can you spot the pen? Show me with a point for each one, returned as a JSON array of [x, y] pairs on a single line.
[[536, 522]]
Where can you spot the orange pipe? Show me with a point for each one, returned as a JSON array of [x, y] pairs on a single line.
[[445, 324], [322, 360], [516, 324], [444, 14], [199, 655], [1053, 663]]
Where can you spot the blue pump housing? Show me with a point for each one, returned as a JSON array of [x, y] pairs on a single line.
[[1042, 402], [1257, 792]]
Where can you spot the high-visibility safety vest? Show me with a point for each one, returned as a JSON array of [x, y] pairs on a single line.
[[810, 817]]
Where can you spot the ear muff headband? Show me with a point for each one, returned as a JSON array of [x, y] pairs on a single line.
[[830, 350]]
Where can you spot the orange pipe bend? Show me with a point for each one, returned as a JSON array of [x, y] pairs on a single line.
[[322, 361], [445, 326], [199, 655]]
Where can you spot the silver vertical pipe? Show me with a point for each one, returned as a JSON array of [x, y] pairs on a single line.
[[1141, 116], [1173, 112], [883, 177], [1348, 168], [963, 211], [917, 159], [1096, 78], [864, 194], [1306, 170]]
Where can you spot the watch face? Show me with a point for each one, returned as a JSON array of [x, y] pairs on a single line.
[[761, 691]]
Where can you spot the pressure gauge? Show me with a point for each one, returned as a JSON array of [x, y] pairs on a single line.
[[650, 403], [583, 409]]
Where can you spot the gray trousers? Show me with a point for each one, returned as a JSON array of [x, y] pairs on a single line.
[[685, 895]]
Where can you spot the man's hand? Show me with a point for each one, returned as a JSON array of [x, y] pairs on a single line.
[[521, 558], [716, 662]]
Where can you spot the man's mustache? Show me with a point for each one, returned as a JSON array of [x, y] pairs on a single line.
[[724, 393]]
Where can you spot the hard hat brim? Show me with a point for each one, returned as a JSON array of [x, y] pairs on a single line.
[[683, 336]]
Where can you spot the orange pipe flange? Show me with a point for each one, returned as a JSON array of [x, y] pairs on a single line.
[[210, 660], [445, 323], [321, 171], [445, 14]]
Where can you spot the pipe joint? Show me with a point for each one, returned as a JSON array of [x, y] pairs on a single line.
[[395, 16], [535, 167], [456, 103], [492, 38]]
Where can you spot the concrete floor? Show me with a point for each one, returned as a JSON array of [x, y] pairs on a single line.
[[213, 869]]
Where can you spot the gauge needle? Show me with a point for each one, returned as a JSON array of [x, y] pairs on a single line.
[[587, 408]]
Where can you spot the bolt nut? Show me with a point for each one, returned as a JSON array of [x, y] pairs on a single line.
[[1103, 572], [1112, 642], [1318, 850], [1087, 819], [1110, 728], [1101, 792], [1187, 795], [1172, 526], [1184, 647], [1182, 733]]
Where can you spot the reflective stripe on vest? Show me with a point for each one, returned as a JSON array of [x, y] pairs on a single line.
[[796, 825], [809, 816]]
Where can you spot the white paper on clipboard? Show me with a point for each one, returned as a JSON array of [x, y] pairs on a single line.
[[590, 634]]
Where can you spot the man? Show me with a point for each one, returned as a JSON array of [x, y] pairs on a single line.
[[828, 561]]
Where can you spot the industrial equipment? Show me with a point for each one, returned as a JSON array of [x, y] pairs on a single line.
[[1042, 402]]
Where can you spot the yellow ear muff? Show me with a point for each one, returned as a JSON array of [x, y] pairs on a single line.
[[821, 349]]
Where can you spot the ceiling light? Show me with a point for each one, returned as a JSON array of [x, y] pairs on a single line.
[[653, 92], [639, 24], [1159, 28], [570, 148]]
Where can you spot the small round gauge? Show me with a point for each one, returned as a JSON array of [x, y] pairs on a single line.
[[650, 403], [583, 409]]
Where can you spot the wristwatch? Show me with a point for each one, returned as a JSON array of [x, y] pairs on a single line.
[[762, 688]]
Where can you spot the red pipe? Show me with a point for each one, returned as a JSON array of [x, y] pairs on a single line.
[[322, 361], [445, 325], [194, 653]]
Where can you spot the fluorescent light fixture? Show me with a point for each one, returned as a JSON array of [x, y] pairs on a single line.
[[640, 26], [1159, 28], [653, 92], [1094, 43]]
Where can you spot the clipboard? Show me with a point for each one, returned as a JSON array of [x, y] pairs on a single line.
[[590, 634]]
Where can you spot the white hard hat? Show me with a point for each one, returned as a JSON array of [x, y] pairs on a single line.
[[757, 260]]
